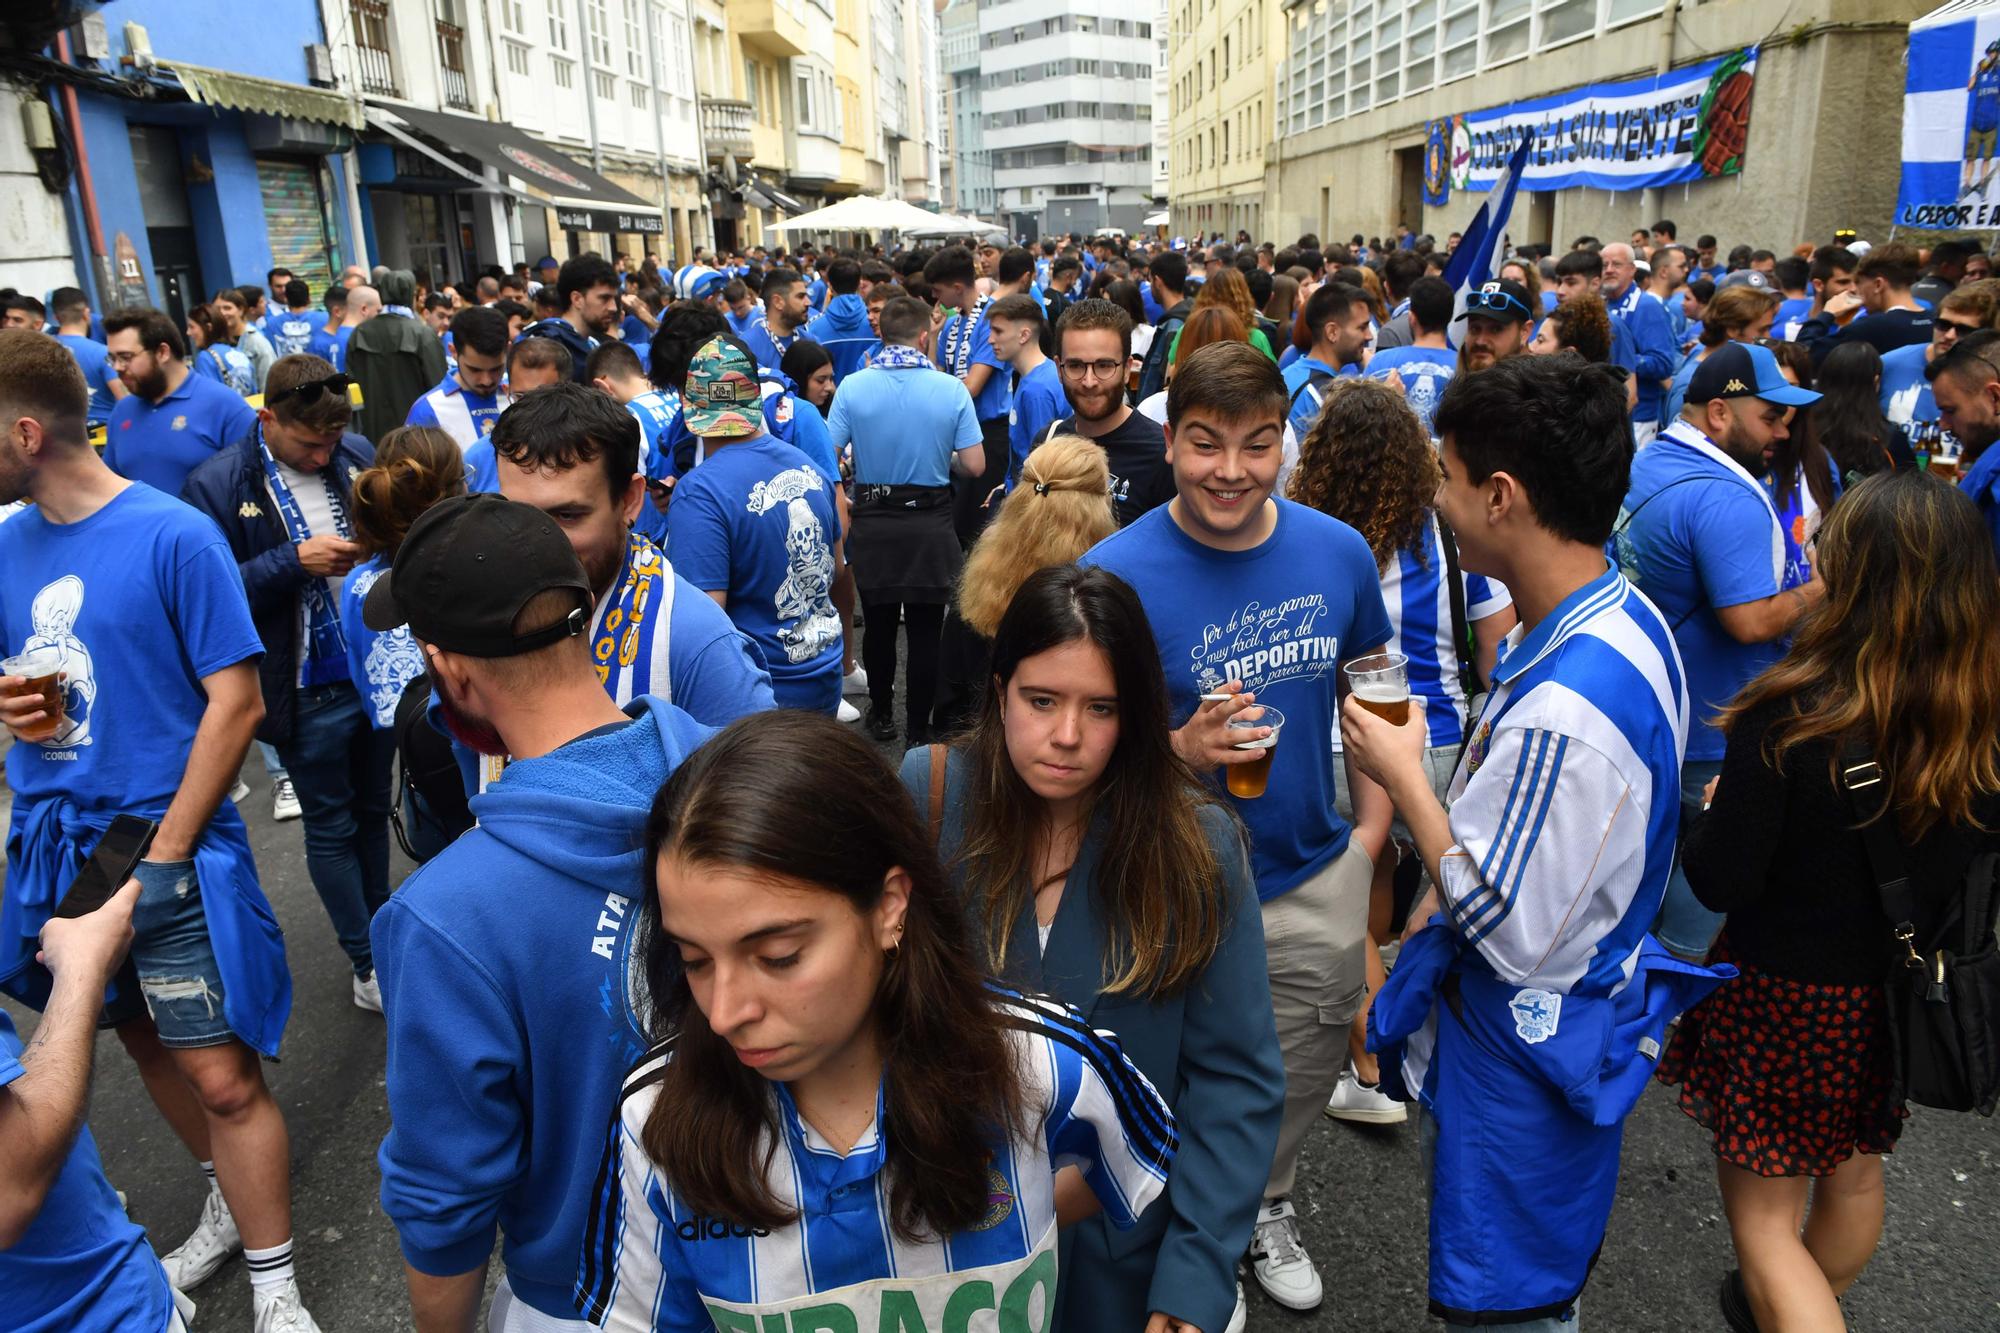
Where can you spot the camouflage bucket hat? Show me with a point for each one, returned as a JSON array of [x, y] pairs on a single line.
[[721, 397]]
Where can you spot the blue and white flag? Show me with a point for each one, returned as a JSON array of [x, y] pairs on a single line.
[[1471, 265], [1951, 121]]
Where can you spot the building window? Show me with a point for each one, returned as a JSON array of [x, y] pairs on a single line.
[[599, 14], [562, 71], [558, 27], [605, 84], [637, 92], [635, 42], [371, 47], [517, 59], [750, 89], [805, 101], [514, 17]]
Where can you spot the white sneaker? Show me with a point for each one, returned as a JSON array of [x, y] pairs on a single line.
[[214, 1241], [239, 791], [847, 712], [1280, 1262], [1241, 1317], [280, 1309], [368, 993], [855, 681], [284, 801], [1357, 1103]]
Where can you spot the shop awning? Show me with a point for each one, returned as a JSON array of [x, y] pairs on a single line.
[[243, 92], [766, 195], [583, 200]]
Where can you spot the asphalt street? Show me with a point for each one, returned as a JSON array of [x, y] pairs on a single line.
[[1360, 1192]]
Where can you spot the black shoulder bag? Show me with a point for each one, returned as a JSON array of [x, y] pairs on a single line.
[[1943, 989]]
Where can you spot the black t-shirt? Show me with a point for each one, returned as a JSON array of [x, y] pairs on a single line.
[[1137, 454]]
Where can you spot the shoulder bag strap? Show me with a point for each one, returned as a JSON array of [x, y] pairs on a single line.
[[1863, 780], [937, 791], [1461, 627]]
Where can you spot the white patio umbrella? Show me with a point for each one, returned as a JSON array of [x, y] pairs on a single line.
[[1158, 219], [950, 224], [861, 212]]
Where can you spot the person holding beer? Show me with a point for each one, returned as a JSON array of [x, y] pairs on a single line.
[[1096, 868], [1368, 461], [1531, 999], [1256, 601]]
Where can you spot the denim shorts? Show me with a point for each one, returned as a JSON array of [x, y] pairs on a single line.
[[178, 974]]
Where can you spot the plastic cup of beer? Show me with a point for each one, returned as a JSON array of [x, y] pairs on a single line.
[[1247, 781], [42, 669], [1381, 684]]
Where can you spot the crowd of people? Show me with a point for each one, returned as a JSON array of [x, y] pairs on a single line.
[[1330, 684]]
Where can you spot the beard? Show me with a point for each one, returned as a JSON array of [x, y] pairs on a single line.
[[601, 567], [475, 733], [1749, 455], [151, 386], [1097, 404]]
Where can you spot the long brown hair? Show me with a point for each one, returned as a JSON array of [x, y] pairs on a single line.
[[796, 794], [1800, 453], [1368, 462], [1904, 651], [1228, 289], [1158, 882], [415, 467], [1216, 324], [1060, 509]]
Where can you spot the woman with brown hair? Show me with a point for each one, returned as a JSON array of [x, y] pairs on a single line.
[[1097, 868], [1369, 462], [211, 353], [1790, 1067], [1061, 509], [1283, 307], [1226, 290], [1742, 314], [841, 1107], [1529, 275], [1803, 480], [1581, 325]]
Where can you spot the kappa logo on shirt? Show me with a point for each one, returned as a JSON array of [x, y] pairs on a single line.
[[249, 509]]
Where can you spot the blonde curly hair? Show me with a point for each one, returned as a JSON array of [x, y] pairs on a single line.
[[1060, 508]]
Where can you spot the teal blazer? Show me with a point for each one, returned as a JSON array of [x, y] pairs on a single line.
[[1211, 1051]]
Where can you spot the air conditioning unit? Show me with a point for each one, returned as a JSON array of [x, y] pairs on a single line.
[[138, 46], [93, 40], [319, 64]]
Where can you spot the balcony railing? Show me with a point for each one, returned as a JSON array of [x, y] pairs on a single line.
[[371, 47], [451, 65], [725, 127]]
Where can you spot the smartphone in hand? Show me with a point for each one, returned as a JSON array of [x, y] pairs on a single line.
[[117, 855]]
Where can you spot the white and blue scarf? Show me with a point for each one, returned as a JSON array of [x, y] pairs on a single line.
[[897, 356], [958, 341], [326, 643]]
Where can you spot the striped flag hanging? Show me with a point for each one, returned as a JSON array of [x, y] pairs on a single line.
[[1471, 265]]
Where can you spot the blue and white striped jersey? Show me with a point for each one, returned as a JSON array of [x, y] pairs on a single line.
[[1564, 809], [1419, 606], [649, 1263]]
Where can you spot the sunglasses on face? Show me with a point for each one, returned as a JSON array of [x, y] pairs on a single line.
[[310, 391], [1958, 328]]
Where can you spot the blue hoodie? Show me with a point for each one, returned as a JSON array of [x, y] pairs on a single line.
[[843, 330], [505, 965]]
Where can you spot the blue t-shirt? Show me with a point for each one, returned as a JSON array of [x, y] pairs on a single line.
[[482, 468], [292, 331], [1906, 395], [160, 443], [227, 366], [1792, 312], [83, 1266], [1038, 400], [379, 664], [142, 599], [766, 345], [1280, 618], [332, 347], [1425, 372], [992, 400], [1306, 381], [904, 425], [1695, 534], [656, 411], [756, 521], [95, 363], [1982, 482]]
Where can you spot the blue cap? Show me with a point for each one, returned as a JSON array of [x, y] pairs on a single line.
[[1745, 370], [547, 261]]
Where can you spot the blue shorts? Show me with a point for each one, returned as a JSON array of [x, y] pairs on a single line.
[[179, 979]]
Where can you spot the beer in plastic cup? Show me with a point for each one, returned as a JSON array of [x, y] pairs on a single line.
[[42, 668], [1247, 781], [1381, 684]]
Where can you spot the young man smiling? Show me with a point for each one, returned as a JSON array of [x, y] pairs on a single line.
[[471, 398], [1094, 343], [1258, 601]]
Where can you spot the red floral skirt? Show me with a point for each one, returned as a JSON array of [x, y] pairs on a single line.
[[1792, 1078]]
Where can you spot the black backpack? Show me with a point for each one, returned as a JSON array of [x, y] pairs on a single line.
[[1153, 374], [427, 772]]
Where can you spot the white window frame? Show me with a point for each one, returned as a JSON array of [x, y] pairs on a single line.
[[635, 40], [519, 59], [597, 17], [514, 17], [562, 72], [558, 28]]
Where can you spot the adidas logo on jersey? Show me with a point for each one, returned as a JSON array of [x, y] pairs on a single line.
[[715, 1228]]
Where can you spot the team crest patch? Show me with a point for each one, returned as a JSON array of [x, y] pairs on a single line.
[[1475, 753], [180, 423], [1536, 1014], [999, 1201]]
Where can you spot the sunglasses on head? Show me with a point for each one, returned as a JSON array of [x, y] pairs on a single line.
[[1494, 302], [310, 391]]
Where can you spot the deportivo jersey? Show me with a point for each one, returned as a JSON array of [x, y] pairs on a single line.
[[1564, 809], [649, 1263]]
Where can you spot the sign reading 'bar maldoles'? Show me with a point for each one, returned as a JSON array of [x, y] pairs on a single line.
[[608, 220], [1688, 124]]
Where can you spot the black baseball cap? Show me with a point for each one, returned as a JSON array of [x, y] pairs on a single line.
[[1503, 299], [466, 569]]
